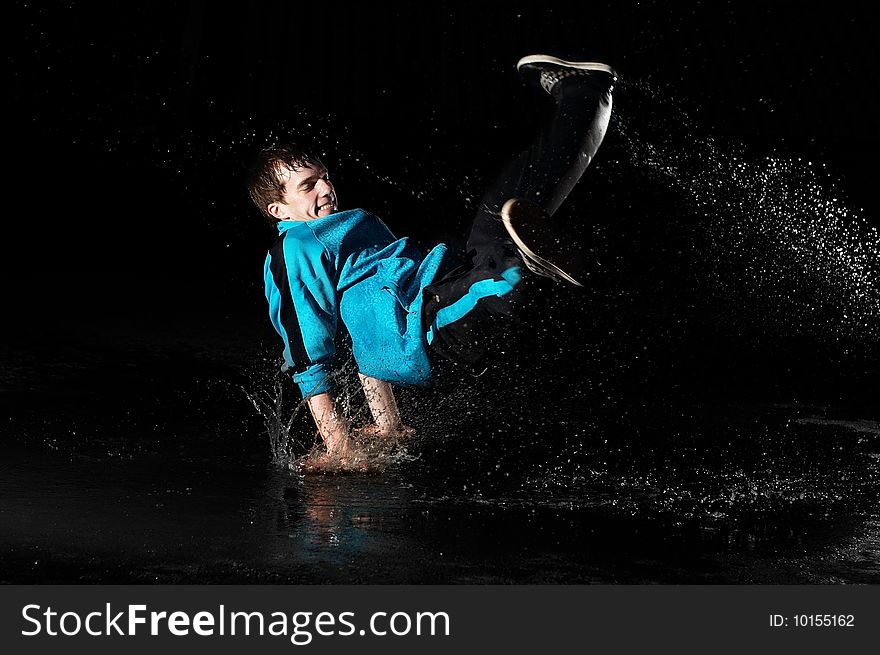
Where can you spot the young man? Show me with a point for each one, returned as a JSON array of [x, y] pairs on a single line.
[[407, 312]]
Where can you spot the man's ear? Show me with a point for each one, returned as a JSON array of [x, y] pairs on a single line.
[[276, 211]]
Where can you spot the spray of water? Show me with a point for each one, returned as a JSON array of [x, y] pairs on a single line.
[[779, 235], [270, 405], [299, 450]]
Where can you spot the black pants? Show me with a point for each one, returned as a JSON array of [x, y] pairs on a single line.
[[469, 306]]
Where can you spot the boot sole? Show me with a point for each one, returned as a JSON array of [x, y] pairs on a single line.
[[532, 260], [577, 65]]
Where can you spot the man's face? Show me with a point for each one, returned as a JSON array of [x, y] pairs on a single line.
[[308, 194]]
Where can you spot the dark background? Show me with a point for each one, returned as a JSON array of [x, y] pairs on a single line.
[[131, 128], [705, 410]]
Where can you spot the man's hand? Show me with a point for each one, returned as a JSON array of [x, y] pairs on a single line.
[[383, 407], [342, 455], [331, 424], [399, 432]]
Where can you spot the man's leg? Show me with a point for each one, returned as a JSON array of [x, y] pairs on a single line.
[[465, 309], [547, 171]]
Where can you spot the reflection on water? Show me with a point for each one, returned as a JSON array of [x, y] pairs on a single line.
[[809, 516]]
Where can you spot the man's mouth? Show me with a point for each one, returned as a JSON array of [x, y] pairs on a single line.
[[329, 205]]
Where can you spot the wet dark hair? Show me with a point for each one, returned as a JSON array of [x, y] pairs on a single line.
[[265, 184]]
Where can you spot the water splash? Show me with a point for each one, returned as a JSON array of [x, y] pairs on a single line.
[[779, 236], [298, 451], [278, 421]]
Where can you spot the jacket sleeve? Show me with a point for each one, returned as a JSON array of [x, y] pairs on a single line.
[[303, 310]]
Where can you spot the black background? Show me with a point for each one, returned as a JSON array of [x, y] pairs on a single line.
[[131, 127]]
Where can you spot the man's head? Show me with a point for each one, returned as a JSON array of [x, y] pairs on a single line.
[[289, 183]]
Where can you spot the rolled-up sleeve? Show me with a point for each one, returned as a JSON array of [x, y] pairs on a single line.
[[318, 329], [303, 310]]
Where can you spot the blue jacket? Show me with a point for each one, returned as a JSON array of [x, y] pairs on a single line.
[[349, 266]]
